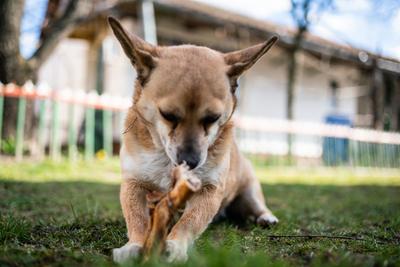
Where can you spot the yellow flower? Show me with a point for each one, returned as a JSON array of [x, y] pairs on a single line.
[[101, 154]]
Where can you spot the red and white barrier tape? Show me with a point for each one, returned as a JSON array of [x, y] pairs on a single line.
[[316, 129], [91, 99], [104, 101]]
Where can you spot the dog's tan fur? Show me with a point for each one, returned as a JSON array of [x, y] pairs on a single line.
[[192, 82]]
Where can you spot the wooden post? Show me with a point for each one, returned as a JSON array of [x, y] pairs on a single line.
[[94, 82], [378, 97], [93, 58], [19, 142], [55, 133], [72, 149], [395, 105], [89, 133], [107, 132], [42, 127]]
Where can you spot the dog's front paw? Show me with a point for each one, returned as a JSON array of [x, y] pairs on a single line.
[[176, 251], [267, 219], [130, 250]]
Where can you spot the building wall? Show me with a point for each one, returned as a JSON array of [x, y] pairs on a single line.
[[263, 89], [67, 66], [65, 69], [262, 94], [70, 67]]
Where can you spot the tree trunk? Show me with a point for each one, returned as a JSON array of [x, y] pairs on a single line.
[[13, 68], [291, 82]]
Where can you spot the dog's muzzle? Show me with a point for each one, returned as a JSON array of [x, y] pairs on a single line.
[[189, 155]]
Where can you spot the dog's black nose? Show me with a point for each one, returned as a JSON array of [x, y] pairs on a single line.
[[190, 156]]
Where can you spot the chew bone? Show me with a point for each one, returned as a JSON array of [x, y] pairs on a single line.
[[166, 209]]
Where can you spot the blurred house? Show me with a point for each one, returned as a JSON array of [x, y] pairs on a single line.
[[332, 78]]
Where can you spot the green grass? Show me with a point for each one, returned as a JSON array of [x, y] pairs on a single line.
[[69, 215]]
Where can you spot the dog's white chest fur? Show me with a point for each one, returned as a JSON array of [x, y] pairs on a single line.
[[150, 167], [155, 168]]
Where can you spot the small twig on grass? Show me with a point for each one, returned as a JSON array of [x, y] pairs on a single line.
[[73, 211], [328, 237]]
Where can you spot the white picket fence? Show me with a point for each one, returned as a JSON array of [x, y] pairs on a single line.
[[62, 113], [319, 142]]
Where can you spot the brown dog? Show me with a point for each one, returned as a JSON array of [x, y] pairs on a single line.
[[182, 107]]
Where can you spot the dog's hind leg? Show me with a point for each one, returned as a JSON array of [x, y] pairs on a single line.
[[251, 200]]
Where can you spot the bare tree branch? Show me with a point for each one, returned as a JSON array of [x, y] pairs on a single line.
[[340, 237], [51, 14], [60, 29], [302, 12]]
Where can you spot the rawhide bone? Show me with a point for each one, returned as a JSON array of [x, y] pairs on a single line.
[[165, 209]]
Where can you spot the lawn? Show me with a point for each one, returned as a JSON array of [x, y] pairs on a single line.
[[69, 215]]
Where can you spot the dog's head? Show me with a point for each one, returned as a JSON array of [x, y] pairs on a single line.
[[185, 94]]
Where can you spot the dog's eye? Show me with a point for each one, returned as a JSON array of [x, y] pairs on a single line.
[[170, 117], [210, 119]]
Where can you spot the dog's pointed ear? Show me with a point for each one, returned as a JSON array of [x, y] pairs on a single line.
[[142, 54], [240, 61]]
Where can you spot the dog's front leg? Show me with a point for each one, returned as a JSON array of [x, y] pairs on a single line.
[[134, 207], [199, 212]]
